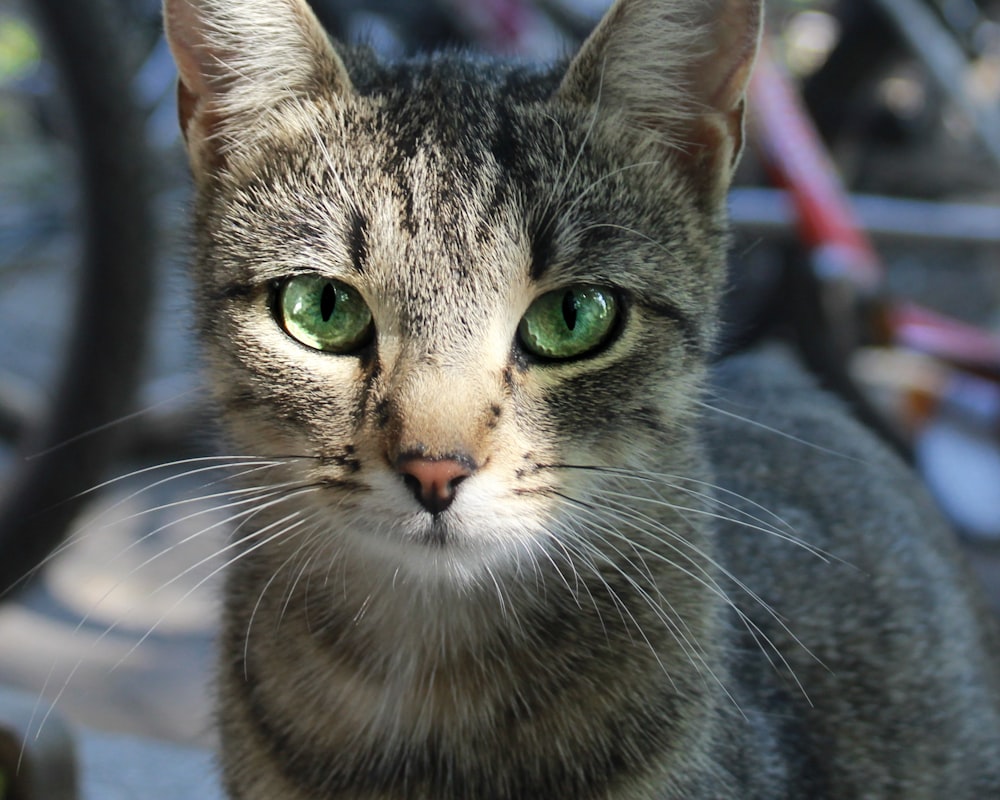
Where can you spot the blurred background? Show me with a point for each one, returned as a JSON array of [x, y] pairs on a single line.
[[867, 214]]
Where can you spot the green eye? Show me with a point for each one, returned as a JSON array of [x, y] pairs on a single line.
[[324, 314], [569, 322]]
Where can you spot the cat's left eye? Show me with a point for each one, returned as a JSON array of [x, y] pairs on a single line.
[[324, 314], [569, 323]]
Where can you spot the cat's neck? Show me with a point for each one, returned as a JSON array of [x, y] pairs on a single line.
[[536, 661]]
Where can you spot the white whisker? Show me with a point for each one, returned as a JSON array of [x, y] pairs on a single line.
[[642, 521], [264, 590], [629, 230], [603, 529], [113, 626], [283, 532], [85, 531], [175, 545], [317, 543], [775, 431], [570, 211], [624, 609], [770, 531]]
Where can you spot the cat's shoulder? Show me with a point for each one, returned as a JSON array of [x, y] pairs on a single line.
[[773, 434], [766, 401]]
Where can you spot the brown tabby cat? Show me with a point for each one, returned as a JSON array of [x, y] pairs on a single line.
[[502, 548]]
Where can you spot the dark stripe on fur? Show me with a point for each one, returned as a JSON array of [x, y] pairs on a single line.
[[542, 247], [690, 330], [358, 242]]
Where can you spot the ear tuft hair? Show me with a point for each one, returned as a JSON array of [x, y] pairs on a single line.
[[674, 69], [238, 59]]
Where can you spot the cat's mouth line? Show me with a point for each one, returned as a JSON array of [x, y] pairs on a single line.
[[438, 534]]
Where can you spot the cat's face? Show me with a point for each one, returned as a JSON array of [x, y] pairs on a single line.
[[447, 292]]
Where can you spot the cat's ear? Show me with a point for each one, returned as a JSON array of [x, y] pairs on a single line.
[[676, 69], [237, 59]]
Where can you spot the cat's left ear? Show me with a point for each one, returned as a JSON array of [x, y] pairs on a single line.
[[238, 58], [674, 69]]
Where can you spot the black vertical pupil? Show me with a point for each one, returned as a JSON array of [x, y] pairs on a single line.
[[328, 302], [569, 309]]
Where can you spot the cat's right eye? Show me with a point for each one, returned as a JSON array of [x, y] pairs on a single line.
[[569, 323], [324, 314]]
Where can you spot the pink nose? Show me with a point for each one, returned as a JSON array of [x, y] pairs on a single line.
[[433, 481]]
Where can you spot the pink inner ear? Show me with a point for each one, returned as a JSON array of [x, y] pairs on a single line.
[[735, 48], [186, 106], [192, 53], [198, 67]]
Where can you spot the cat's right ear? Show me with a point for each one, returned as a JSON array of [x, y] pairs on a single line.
[[676, 73], [236, 59]]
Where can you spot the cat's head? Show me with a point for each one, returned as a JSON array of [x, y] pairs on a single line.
[[450, 287]]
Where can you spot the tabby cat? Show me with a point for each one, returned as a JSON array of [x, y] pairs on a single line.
[[513, 537]]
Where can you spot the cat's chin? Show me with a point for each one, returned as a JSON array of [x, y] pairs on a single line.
[[443, 549]]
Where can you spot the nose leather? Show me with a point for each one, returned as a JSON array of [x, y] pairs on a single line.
[[434, 481]]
